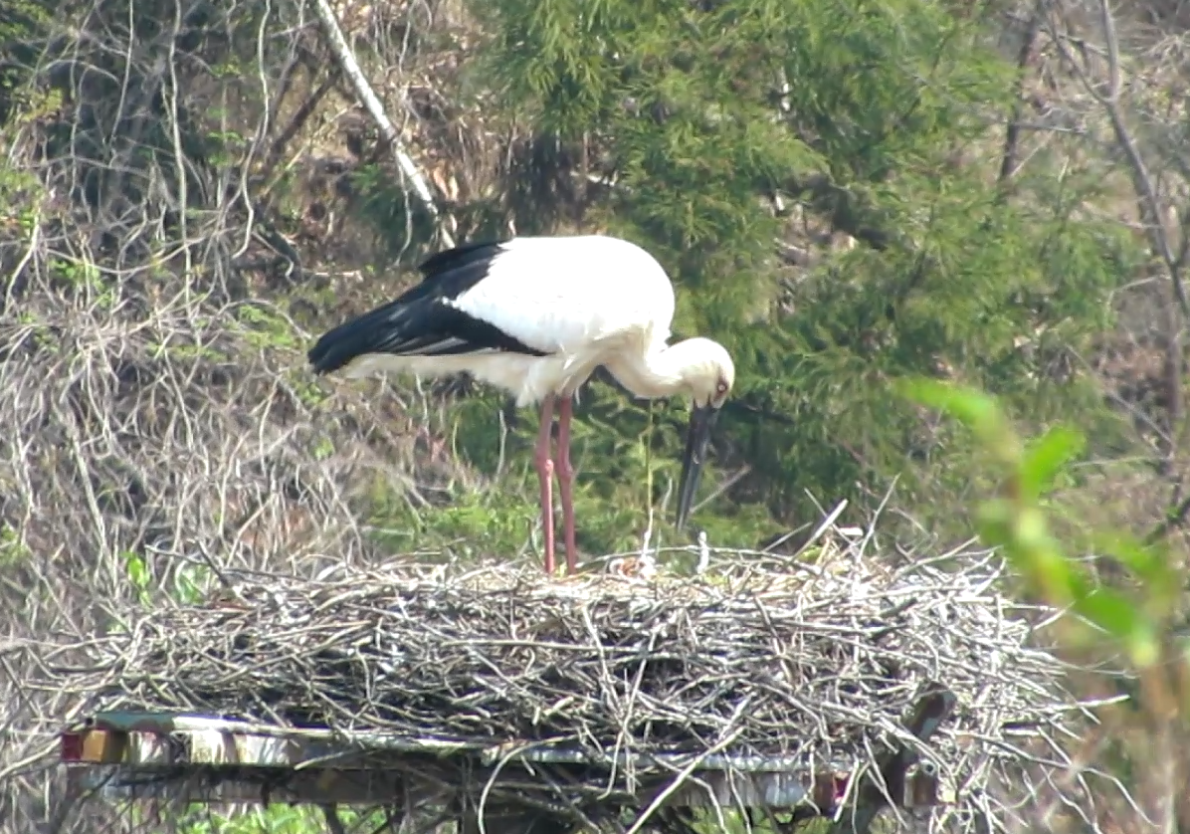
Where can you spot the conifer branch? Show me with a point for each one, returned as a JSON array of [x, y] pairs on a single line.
[[388, 130]]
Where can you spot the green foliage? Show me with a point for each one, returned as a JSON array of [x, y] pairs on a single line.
[[1133, 621], [13, 551], [23, 30], [192, 584], [1015, 522], [464, 521], [137, 572], [389, 208], [274, 819], [265, 327]]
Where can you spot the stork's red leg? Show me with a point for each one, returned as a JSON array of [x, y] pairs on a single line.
[[566, 481], [545, 471]]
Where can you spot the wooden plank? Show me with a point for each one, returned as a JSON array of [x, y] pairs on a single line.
[[103, 746], [186, 722], [321, 786], [209, 747], [196, 739], [305, 787], [147, 753], [209, 759], [323, 741]]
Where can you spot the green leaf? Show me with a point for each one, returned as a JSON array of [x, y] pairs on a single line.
[[138, 573], [1045, 458], [994, 522], [1148, 563], [1123, 620], [973, 408]]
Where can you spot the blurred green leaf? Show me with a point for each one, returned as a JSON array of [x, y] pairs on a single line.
[[134, 566], [1150, 563], [976, 410], [994, 522], [1045, 458], [1122, 619]]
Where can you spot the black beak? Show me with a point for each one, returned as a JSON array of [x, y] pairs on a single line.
[[702, 420]]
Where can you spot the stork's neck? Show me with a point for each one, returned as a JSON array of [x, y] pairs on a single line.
[[653, 373]]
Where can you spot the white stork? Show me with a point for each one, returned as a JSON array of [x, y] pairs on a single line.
[[536, 316]]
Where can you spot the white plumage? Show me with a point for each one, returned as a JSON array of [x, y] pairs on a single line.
[[575, 299], [536, 316]]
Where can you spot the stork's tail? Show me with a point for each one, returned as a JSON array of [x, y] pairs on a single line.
[[354, 338]]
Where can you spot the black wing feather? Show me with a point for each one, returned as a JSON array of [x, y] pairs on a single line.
[[419, 323], [448, 260]]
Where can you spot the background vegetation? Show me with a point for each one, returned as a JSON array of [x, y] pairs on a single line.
[[848, 194]]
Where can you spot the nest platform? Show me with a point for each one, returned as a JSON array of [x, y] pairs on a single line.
[[791, 690]]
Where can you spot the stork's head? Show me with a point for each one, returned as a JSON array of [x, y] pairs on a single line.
[[708, 374]]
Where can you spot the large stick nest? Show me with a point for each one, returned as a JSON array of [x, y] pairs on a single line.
[[820, 663]]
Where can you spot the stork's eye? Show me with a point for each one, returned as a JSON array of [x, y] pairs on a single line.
[[721, 387]]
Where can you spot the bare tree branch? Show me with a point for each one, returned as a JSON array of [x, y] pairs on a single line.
[[1148, 201], [1153, 212], [1009, 162], [388, 130]]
